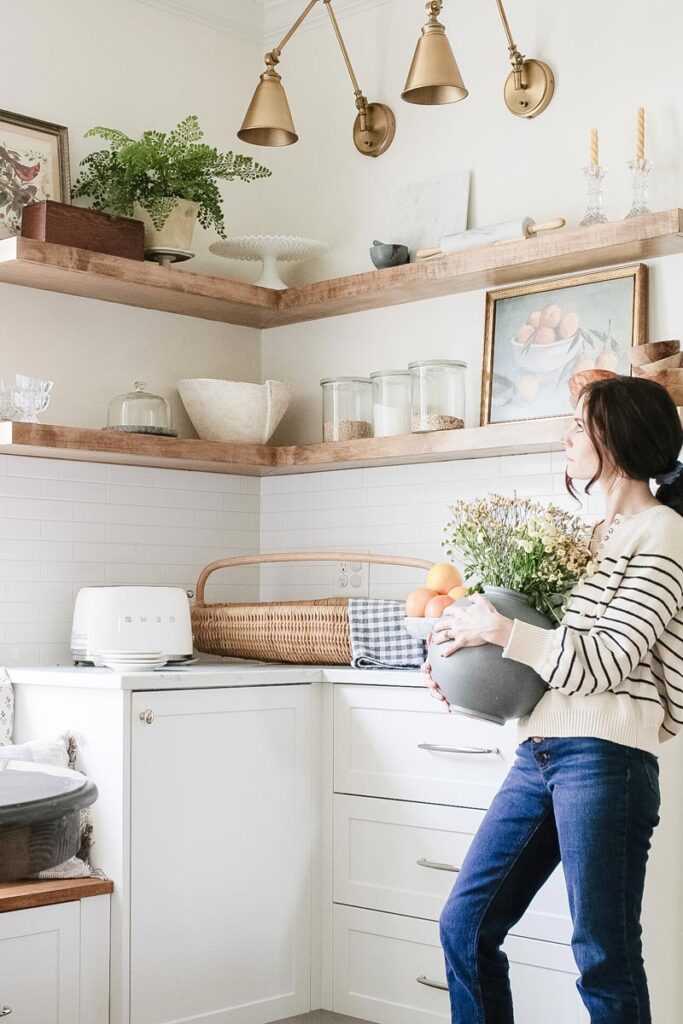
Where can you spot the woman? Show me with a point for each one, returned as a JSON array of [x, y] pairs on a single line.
[[584, 788]]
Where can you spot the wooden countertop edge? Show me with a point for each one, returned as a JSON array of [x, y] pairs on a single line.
[[22, 895]]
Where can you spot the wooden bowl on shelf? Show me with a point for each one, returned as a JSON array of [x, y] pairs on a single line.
[[667, 363], [652, 351]]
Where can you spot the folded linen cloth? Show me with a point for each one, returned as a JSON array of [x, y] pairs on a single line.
[[378, 637]]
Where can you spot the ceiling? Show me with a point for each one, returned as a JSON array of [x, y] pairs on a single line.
[[260, 21]]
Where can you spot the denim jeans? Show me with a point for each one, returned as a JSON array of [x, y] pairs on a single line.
[[593, 805]]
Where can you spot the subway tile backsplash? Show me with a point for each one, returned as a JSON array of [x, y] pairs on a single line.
[[395, 510], [64, 525]]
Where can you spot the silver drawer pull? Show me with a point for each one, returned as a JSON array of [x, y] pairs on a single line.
[[459, 750], [430, 983], [424, 863], [147, 716], [5, 1012]]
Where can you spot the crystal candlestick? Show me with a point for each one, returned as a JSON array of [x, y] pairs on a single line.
[[640, 170], [594, 214]]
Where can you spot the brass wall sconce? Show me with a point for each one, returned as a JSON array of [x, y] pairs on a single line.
[[434, 76], [268, 121]]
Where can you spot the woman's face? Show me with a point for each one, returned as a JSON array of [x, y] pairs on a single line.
[[582, 459]]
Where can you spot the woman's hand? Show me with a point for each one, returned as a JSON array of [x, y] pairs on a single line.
[[434, 690], [472, 625]]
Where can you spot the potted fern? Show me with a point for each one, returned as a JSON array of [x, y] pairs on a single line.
[[167, 180]]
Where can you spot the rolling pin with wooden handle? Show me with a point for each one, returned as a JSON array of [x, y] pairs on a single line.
[[507, 231]]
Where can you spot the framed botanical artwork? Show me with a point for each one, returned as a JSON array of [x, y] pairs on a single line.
[[538, 335], [34, 165]]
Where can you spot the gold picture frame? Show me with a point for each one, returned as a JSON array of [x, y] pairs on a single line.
[[34, 165], [526, 368]]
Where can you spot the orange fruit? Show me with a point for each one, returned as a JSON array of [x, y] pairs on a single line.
[[535, 318], [545, 336], [442, 577], [457, 592], [550, 316], [524, 333], [568, 325], [434, 608], [417, 600], [528, 388]]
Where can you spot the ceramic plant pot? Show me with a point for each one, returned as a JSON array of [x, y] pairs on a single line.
[[478, 681], [177, 232], [232, 410]]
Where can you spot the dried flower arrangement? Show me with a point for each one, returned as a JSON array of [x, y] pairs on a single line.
[[541, 551]]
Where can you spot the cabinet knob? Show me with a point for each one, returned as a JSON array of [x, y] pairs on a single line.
[[147, 716], [5, 1012]]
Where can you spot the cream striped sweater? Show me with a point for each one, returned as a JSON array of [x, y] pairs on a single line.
[[615, 664]]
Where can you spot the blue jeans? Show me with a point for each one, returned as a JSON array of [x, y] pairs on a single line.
[[593, 805]]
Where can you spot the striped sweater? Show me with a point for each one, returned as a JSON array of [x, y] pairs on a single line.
[[614, 666]]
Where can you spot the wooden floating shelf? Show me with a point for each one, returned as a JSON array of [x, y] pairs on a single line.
[[87, 445], [92, 275]]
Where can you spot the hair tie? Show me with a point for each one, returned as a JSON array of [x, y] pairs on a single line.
[[670, 477]]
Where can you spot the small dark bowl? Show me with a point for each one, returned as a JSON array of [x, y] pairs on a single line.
[[388, 255]]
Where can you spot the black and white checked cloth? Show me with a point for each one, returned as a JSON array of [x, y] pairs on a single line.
[[379, 638]]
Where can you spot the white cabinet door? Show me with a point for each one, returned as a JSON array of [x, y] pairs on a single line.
[[403, 858], [395, 742], [39, 964], [220, 855], [378, 959]]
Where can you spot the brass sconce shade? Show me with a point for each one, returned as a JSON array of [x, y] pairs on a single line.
[[268, 121], [434, 76]]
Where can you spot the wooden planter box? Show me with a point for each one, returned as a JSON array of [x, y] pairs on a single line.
[[64, 224]]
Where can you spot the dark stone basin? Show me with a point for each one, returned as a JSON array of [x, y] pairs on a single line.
[[39, 816]]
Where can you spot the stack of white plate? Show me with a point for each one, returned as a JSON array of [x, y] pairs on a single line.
[[133, 661]]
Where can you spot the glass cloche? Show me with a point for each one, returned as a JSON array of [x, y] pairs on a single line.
[[140, 412]]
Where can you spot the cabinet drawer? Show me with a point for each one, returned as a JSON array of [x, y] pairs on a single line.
[[379, 957], [403, 857], [39, 964], [396, 742]]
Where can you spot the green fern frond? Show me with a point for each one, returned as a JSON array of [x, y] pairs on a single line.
[[159, 168]]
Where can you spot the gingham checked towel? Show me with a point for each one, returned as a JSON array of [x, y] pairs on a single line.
[[379, 638]]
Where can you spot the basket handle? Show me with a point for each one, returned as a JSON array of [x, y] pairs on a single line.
[[305, 556]]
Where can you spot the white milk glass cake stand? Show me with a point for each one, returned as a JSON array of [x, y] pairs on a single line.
[[269, 249]]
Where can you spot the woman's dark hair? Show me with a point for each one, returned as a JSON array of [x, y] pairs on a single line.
[[634, 425]]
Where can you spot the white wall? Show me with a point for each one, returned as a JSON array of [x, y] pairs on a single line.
[[124, 64], [607, 61]]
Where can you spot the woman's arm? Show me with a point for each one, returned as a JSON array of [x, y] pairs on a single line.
[[649, 595]]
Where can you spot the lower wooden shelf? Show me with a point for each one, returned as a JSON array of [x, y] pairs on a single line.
[[89, 445]]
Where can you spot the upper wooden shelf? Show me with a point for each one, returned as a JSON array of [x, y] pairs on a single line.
[[87, 445], [61, 268]]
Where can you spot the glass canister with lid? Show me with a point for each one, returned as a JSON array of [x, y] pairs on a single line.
[[347, 408], [140, 412], [437, 394], [390, 402]]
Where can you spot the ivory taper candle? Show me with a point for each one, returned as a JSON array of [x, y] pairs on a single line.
[[640, 134], [594, 147]]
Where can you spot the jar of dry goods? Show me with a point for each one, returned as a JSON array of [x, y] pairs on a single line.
[[437, 394], [347, 408], [390, 402]]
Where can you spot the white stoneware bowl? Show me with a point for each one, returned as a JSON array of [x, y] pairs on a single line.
[[231, 410]]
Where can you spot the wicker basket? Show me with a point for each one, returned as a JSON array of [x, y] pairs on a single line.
[[304, 632]]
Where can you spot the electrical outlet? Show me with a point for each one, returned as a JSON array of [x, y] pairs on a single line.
[[351, 579]]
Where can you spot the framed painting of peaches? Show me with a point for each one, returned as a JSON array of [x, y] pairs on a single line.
[[538, 335]]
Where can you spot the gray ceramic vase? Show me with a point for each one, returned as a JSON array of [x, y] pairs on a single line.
[[478, 681]]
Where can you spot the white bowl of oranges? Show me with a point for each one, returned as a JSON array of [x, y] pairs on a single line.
[[425, 605]]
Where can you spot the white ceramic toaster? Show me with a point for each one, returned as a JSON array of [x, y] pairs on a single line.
[[131, 619]]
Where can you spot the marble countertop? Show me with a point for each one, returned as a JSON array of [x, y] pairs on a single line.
[[227, 672]]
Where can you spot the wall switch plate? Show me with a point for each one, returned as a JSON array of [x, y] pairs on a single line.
[[351, 579]]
